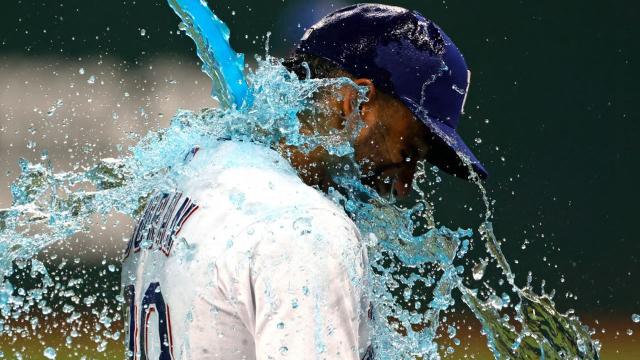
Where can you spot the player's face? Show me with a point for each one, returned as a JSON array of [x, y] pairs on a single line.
[[390, 146]]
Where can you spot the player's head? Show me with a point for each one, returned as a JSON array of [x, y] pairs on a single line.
[[418, 82]]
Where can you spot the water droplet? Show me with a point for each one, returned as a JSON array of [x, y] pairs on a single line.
[[457, 89], [496, 302], [478, 270], [143, 32], [635, 318], [302, 225], [89, 300], [407, 293], [81, 71], [280, 325], [284, 350], [50, 353], [451, 331], [91, 80]]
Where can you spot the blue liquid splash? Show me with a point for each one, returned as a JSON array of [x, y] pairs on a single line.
[[407, 251], [223, 65]]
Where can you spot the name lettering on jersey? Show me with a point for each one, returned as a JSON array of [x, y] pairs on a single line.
[[162, 220]]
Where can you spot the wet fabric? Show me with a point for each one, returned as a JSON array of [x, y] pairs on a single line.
[[265, 268]]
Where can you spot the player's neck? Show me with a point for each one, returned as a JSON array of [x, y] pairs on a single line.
[[317, 167], [309, 165]]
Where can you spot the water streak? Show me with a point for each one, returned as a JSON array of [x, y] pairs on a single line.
[[220, 62]]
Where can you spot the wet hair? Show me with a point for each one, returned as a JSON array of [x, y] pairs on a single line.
[[306, 65]]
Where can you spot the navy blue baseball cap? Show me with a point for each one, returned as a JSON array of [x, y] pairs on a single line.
[[408, 57]]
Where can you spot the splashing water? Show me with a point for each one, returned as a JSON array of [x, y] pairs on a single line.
[[407, 252], [220, 62]]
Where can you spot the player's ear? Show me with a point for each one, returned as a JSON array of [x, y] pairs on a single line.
[[350, 98]]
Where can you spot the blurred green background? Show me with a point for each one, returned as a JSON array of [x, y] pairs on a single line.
[[552, 112]]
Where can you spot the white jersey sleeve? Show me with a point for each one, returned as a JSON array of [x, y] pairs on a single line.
[[308, 285]]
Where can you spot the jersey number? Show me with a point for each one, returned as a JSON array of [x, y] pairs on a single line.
[[152, 304]]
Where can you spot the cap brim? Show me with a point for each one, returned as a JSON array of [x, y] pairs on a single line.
[[449, 151]]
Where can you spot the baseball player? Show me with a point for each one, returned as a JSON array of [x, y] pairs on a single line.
[[248, 258]]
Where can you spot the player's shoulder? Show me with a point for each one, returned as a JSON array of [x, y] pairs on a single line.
[[252, 179]]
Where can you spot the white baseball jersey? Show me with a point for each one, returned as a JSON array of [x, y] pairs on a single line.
[[244, 261]]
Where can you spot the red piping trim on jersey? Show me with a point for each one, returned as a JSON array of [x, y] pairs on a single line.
[[151, 309], [169, 332], [135, 330], [187, 218], [165, 252]]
